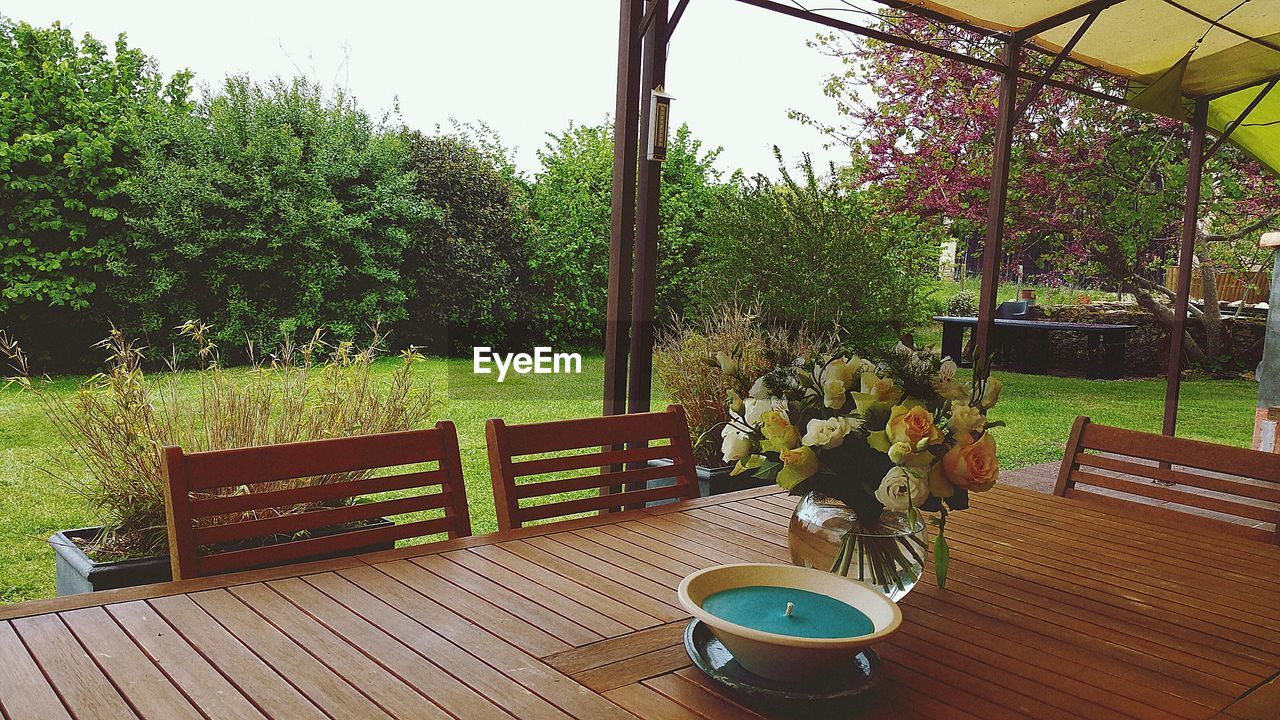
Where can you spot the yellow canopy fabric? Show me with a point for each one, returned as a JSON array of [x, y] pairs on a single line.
[[1144, 39]]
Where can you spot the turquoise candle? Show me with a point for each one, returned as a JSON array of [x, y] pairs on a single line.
[[765, 607]]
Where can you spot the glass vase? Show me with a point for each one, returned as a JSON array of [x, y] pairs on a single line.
[[888, 555]]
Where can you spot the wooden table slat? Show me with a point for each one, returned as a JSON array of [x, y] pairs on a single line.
[[1054, 609], [25, 693]]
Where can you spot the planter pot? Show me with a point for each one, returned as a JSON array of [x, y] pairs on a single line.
[[75, 572], [1029, 295], [711, 481]]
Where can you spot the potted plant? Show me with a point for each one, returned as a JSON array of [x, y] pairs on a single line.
[[697, 372], [117, 422]]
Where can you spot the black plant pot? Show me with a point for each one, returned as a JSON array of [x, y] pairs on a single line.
[[75, 572], [711, 481]]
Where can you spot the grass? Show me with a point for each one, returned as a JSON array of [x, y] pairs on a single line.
[[1039, 410]]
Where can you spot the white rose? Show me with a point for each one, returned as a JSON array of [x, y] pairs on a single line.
[[900, 489], [837, 369], [755, 408], [965, 418], [827, 434], [735, 445], [834, 394]]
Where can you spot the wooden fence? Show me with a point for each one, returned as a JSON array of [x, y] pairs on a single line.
[[1250, 287]]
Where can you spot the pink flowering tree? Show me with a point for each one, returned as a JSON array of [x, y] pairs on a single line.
[[1097, 186]]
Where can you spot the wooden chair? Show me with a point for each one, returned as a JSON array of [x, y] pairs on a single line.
[[1228, 481], [507, 442], [211, 501]]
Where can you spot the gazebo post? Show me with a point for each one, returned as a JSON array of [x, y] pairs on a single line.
[[1186, 254], [623, 208], [991, 249], [653, 74]]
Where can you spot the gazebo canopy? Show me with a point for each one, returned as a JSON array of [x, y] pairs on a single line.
[[1226, 50], [1211, 63]]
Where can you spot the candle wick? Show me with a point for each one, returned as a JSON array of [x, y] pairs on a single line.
[[790, 606]]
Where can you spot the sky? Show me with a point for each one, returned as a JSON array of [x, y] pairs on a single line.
[[524, 67]]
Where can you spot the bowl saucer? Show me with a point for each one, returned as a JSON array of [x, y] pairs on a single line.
[[844, 684]]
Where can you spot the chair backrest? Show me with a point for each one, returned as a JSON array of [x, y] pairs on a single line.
[[234, 510], [620, 475], [1012, 310], [1239, 488]]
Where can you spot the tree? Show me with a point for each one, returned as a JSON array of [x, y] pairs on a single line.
[[569, 248], [271, 209], [1098, 185], [466, 263], [71, 117]]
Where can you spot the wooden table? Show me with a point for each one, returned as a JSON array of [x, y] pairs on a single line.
[[1105, 342], [1053, 611]]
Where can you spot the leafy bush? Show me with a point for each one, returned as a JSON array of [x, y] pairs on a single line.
[[569, 249], [687, 367], [70, 118], [819, 250], [269, 210], [963, 304], [119, 420], [475, 240]]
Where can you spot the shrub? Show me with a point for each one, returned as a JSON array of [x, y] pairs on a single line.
[[119, 420], [569, 248], [476, 241], [963, 304], [70, 119], [819, 250], [271, 210], [684, 361]]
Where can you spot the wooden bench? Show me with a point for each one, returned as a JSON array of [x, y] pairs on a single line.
[[1105, 349], [1174, 479]]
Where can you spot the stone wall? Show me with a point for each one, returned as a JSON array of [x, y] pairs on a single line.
[[1147, 347]]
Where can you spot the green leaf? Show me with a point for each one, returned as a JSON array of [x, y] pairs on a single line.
[[941, 559]]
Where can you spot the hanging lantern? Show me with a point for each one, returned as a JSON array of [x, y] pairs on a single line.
[[659, 124]]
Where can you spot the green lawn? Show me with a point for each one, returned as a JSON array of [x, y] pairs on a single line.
[[1038, 409]]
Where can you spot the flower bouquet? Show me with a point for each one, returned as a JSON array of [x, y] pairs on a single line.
[[892, 440]]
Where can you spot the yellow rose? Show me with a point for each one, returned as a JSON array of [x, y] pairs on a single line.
[[972, 465], [778, 431], [876, 392], [799, 465], [911, 426]]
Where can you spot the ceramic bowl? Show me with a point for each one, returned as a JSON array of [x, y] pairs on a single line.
[[785, 657]]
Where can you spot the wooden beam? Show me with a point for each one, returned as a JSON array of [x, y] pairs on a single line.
[[992, 249], [653, 75], [1186, 253], [675, 17], [911, 44], [1226, 132], [1035, 89], [622, 208], [1062, 18]]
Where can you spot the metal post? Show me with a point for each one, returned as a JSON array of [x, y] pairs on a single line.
[[1266, 427], [623, 208], [992, 248], [653, 75], [1186, 253]]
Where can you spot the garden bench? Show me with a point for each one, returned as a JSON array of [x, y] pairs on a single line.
[[1105, 349]]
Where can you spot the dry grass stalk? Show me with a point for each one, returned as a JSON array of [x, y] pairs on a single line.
[[684, 359], [118, 421]]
